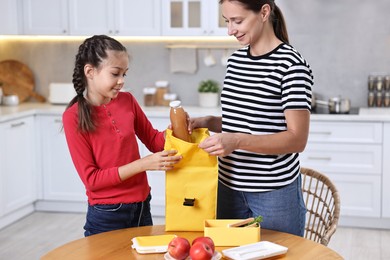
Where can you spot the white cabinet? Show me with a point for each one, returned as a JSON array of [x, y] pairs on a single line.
[[118, 17], [138, 18], [18, 185], [89, 17], [45, 17], [192, 18], [350, 153], [386, 171], [60, 179], [9, 17]]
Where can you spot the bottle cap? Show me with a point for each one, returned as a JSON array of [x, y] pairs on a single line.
[[175, 103]]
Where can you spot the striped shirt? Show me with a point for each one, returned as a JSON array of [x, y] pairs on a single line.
[[256, 92]]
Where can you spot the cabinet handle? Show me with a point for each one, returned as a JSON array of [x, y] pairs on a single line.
[[58, 121], [319, 158], [321, 133], [17, 124]]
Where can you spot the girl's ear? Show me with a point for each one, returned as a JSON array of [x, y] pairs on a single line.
[[89, 71]]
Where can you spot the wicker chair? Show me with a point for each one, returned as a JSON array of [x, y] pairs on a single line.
[[322, 201]]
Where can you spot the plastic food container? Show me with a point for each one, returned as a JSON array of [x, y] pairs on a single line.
[[223, 235], [255, 251]]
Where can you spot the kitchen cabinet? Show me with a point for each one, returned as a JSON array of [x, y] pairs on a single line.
[[9, 18], [386, 172], [45, 17], [18, 184], [89, 17], [350, 154], [118, 17], [192, 18], [61, 182]]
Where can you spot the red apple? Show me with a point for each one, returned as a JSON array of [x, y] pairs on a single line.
[[179, 248], [207, 240], [201, 251]]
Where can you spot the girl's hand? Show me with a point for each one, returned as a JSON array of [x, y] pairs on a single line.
[[164, 160]]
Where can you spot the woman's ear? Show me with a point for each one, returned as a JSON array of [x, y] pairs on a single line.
[[89, 71], [265, 12]]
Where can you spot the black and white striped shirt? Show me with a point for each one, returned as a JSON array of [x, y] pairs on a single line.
[[256, 92]]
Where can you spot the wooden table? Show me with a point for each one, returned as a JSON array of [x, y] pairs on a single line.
[[117, 245]]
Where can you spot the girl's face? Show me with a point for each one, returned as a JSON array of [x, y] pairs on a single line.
[[246, 25], [105, 82]]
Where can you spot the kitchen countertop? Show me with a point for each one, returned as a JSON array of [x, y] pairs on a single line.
[[30, 108]]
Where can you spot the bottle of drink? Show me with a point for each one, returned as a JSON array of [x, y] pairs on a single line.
[[179, 121]]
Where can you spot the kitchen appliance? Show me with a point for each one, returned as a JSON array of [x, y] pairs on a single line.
[[61, 93], [336, 105]]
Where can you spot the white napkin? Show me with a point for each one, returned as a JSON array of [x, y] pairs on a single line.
[[183, 60]]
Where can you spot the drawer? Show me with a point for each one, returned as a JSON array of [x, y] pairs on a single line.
[[345, 158], [351, 132]]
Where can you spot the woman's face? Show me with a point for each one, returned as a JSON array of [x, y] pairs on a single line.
[[105, 82], [245, 25]]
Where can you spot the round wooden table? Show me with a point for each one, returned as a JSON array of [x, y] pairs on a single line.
[[117, 245]]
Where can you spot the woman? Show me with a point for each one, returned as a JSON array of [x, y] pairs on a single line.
[[265, 120], [101, 127]]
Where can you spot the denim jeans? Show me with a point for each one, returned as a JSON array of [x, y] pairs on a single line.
[[282, 209], [108, 217]]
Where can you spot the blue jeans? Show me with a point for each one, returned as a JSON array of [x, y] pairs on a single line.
[[108, 217], [282, 209]]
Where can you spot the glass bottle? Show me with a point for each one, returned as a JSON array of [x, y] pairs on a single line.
[[371, 82], [371, 99], [179, 122], [379, 99], [387, 83], [386, 100], [379, 83]]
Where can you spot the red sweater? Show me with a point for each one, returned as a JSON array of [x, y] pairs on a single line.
[[98, 155]]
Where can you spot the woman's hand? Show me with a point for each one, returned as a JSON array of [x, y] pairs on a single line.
[[164, 160], [220, 144]]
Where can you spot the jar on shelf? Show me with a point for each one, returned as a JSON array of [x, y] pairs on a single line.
[[162, 88], [379, 99], [386, 99], [371, 99], [379, 83], [149, 96], [371, 83], [387, 83]]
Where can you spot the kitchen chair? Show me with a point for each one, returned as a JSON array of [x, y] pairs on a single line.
[[322, 201]]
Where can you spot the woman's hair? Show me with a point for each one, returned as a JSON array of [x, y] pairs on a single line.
[[92, 51], [276, 17]]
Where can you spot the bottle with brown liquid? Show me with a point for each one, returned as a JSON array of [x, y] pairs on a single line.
[[179, 121]]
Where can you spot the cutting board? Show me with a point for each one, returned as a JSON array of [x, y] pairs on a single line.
[[18, 79]]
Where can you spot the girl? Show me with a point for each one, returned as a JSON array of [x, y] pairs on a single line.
[[101, 126], [265, 120]]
